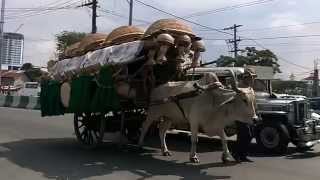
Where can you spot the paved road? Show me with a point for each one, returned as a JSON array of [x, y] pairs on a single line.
[[35, 148]]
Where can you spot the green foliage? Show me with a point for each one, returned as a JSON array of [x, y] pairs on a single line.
[[31, 72], [26, 66], [290, 87], [67, 38], [251, 56]]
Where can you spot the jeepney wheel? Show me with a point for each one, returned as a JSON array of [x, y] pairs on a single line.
[[272, 138], [89, 129]]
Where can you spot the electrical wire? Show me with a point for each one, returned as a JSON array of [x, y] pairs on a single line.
[[227, 8], [283, 26], [214, 29], [122, 16], [271, 38], [181, 18], [44, 10], [284, 44], [285, 37], [280, 58]]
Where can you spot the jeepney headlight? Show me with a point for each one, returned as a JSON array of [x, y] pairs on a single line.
[[289, 108], [307, 130]]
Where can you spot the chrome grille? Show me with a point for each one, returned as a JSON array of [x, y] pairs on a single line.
[[302, 111]]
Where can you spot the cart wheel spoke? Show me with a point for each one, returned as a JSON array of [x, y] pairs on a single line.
[[89, 129], [81, 126], [96, 134], [83, 133]]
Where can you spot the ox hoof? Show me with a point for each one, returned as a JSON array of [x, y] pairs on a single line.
[[226, 158], [166, 153], [194, 160]]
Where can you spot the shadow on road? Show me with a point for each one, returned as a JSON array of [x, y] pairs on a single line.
[[292, 153], [302, 155], [64, 159], [182, 143]]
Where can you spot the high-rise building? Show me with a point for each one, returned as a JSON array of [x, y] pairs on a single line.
[[12, 52]]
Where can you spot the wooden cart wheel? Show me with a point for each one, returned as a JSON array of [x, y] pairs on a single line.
[[89, 129]]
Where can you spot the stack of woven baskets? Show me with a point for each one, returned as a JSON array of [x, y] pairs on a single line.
[[165, 41]]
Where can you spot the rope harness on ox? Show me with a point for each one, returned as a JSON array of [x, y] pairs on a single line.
[[177, 98]]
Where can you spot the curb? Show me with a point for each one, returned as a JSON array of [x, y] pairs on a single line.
[[25, 102]]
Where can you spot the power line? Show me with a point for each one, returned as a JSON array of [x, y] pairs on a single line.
[[283, 26], [214, 29], [302, 51], [122, 16], [284, 44], [47, 5], [181, 18], [280, 58], [227, 8], [44, 10], [285, 37], [275, 27], [271, 38]]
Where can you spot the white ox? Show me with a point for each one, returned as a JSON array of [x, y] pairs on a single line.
[[211, 110]]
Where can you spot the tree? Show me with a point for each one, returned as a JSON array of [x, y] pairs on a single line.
[[31, 72], [67, 38], [290, 87], [26, 66], [292, 77], [252, 56]]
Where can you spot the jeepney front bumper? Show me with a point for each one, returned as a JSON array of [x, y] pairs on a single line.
[[309, 134]]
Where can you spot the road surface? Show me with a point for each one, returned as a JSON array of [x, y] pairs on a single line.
[[35, 148]]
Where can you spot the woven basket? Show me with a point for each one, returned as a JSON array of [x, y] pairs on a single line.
[[172, 26], [92, 42], [124, 34]]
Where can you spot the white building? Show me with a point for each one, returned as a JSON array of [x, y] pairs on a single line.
[[12, 52]]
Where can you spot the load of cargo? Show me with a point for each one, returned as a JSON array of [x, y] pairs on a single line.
[[128, 63]]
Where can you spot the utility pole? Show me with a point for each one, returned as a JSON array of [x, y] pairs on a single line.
[[235, 40], [1, 36], [130, 12], [315, 79], [94, 16], [94, 4]]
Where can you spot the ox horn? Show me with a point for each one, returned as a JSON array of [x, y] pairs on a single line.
[[234, 83]]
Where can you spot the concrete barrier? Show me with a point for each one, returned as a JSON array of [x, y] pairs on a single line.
[[25, 102]]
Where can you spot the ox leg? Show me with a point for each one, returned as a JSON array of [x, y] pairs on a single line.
[[164, 126], [145, 127], [194, 141], [226, 156]]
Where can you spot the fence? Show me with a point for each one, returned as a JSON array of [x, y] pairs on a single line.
[[26, 102]]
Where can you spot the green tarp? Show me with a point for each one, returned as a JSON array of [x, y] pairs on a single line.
[[105, 98], [83, 89], [88, 94], [50, 98]]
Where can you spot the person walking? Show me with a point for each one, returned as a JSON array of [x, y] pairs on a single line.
[[244, 133]]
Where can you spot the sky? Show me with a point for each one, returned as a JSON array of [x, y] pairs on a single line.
[[264, 22]]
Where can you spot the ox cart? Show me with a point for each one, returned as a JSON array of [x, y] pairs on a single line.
[[106, 80]]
